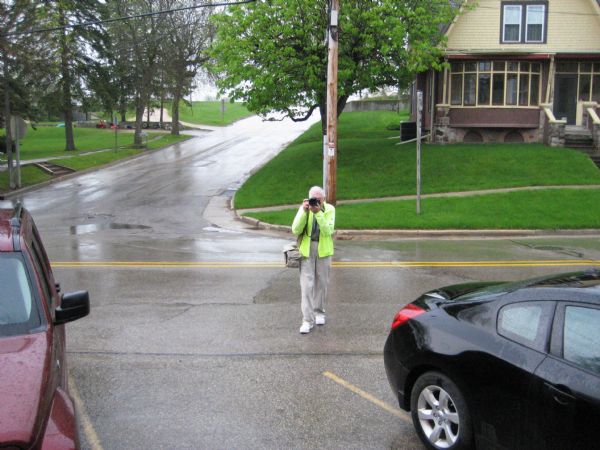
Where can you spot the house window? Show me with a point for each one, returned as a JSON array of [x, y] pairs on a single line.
[[534, 23], [512, 23], [523, 22], [588, 78], [596, 88], [497, 83]]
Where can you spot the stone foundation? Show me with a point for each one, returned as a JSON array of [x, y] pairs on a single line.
[[443, 133], [452, 135], [596, 136], [556, 136]]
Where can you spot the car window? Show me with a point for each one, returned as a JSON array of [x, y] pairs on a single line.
[[46, 294], [581, 338], [526, 323], [18, 311]]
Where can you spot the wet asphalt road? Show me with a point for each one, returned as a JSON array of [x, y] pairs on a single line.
[[193, 337]]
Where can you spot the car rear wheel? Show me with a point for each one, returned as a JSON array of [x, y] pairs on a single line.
[[440, 414]]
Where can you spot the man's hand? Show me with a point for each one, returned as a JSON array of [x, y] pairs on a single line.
[[305, 204]]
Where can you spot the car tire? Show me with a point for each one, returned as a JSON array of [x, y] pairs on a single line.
[[440, 413]]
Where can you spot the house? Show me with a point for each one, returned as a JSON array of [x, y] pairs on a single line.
[[518, 71]]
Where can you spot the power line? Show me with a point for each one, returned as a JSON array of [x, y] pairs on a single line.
[[120, 19]]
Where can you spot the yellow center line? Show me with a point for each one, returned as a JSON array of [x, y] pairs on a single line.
[[335, 264], [395, 411], [90, 434]]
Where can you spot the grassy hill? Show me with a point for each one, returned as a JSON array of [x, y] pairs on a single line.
[[371, 165]]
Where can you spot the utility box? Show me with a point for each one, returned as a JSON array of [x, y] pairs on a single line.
[[408, 131]]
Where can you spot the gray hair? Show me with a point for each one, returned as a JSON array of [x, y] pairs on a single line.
[[316, 190]]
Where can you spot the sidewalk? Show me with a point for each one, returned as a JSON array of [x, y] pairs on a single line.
[[413, 197], [4, 167], [155, 117], [411, 233]]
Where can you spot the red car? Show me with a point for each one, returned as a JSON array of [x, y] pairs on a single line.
[[36, 411]]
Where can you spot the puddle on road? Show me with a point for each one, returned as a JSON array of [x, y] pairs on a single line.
[[93, 227], [216, 229]]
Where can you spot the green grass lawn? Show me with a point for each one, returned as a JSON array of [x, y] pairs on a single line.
[[30, 175], [372, 166], [49, 142], [209, 113], [101, 158], [544, 209], [96, 159]]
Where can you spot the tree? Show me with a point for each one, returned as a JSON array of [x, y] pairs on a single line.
[[142, 36], [22, 54], [183, 51], [272, 53], [75, 48]]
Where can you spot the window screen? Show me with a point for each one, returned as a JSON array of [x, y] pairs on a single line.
[[535, 23]]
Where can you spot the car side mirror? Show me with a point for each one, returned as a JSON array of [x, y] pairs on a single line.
[[73, 306]]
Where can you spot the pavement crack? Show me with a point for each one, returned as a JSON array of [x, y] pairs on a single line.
[[551, 248]]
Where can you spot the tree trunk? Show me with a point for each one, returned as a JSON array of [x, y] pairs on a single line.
[[162, 107], [148, 115], [139, 119], [66, 85], [175, 115], [323, 111]]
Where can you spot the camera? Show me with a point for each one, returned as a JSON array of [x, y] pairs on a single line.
[[314, 201]]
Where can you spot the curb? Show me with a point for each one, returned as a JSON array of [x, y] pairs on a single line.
[[348, 235], [11, 194]]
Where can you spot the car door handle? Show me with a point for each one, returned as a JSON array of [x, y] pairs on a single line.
[[561, 394]]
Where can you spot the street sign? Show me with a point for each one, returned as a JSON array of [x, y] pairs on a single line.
[[18, 128]]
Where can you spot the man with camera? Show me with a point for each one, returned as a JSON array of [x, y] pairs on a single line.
[[314, 225]]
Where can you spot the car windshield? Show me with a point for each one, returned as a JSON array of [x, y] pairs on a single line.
[[18, 311]]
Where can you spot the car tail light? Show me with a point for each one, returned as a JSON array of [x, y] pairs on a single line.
[[406, 313]]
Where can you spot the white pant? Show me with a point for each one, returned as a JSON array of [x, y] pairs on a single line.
[[314, 280]]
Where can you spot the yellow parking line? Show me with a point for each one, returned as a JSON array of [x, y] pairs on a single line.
[[167, 264], [335, 264], [395, 411], [90, 434]]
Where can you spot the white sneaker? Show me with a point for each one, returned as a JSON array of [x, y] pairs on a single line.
[[320, 319], [306, 327]]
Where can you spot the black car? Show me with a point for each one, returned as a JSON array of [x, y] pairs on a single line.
[[501, 365]]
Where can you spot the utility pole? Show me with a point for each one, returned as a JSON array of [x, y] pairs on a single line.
[[419, 115], [7, 115], [332, 116]]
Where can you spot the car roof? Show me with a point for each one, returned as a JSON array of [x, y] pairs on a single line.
[[573, 286]]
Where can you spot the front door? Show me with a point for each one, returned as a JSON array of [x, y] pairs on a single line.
[[565, 98]]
